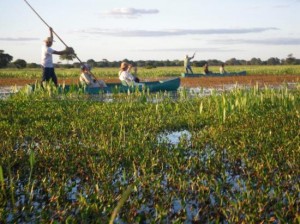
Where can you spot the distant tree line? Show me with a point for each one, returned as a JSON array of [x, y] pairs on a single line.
[[6, 60]]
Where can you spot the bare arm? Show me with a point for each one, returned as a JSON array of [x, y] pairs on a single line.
[[51, 35], [129, 68], [51, 32], [61, 52], [66, 51]]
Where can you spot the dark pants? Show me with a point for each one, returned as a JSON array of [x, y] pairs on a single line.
[[48, 73], [187, 68]]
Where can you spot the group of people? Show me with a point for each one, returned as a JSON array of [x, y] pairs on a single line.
[[86, 77], [221, 69], [206, 71], [126, 76]]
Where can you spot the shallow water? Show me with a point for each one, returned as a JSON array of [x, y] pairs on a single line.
[[234, 182], [6, 91]]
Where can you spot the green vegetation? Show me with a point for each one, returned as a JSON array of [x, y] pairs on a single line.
[[153, 72], [5, 61], [71, 159]]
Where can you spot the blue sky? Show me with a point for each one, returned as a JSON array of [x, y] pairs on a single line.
[[153, 30]]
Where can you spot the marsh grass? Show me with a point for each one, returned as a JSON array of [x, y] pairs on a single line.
[[90, 161], [154, 72]]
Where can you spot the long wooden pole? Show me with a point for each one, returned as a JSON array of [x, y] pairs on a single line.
[[49, 28], [56, 34]]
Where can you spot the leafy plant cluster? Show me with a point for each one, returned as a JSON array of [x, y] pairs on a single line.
[[76, 160]]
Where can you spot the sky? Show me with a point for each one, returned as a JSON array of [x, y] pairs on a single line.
[[152, 30]]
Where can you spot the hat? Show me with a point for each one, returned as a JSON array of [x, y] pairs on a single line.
[[85, 67], [124, 65], [49, 39]]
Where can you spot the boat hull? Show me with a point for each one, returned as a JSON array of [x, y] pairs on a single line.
[[186, 75], [151, 86]]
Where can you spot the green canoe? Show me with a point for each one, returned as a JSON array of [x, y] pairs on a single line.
[[185, 75], [151, 86]]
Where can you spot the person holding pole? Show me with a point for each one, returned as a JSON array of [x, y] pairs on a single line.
[[47, 60], [187, 63], [47, 51]]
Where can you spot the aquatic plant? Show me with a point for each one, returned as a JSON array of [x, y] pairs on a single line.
[[73, 158]]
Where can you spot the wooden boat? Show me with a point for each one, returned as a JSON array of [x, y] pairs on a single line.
[[185, 75], [151, 86]]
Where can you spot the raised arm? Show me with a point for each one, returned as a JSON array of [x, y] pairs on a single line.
[[51, 32], [129, 68], [61, 52]]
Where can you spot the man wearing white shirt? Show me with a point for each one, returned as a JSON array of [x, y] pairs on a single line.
[[47, 60]]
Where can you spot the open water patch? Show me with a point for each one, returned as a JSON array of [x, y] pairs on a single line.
[[175, 137], [6, 91]]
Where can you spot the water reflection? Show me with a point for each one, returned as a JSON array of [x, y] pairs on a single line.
[[175, 137], [6, 91]]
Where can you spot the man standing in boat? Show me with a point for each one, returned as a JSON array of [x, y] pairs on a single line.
[[47, 60], [187, 63]]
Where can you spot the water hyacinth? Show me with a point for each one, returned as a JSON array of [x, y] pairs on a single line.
[[73, 158]]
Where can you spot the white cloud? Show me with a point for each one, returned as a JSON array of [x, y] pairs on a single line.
[[207, 49], [17, 39], [269, 41], [129, 12], [282, 6], [173, 32]]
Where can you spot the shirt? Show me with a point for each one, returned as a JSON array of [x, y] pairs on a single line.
[[88, 79], [187, 61], [47, 61], [126, 76]]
